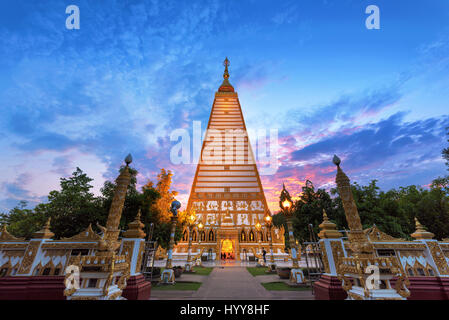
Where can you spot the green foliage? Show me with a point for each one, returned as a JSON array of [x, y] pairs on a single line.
[[393, 211], [202, 271], [74, 207], [71, 209], [193, 286], [257, 271], [22, 222], [445, 152], [282, 286]]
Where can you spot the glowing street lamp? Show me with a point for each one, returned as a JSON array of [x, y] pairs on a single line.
[[168, 275], [268, 222], [286, 205], [191, 220], [175, 205]]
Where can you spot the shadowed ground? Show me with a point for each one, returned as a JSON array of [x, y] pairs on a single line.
[[231, 283]]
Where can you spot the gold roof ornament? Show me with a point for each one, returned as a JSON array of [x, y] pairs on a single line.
[[45, 232], [135, 228], [6, 236], [328, 229], [226, 85], [421, 232], [86, 235], [376, 235]]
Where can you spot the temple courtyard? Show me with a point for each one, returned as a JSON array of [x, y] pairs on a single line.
[[231, 281]]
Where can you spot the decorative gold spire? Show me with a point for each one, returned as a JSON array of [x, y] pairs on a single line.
[[328, 229], [135, 228], [111, 232], [45, 232], [226, 86], [421, 232], [358, 240]]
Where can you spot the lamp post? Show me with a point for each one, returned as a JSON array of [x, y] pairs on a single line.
[[191, 219], [175, 205], [258, 227], [286, 205], [200, 232], [268, 222]]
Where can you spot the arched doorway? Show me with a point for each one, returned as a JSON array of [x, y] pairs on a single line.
[[227, 249]]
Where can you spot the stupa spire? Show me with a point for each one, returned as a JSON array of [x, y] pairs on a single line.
[[421, 232], [226, 85]]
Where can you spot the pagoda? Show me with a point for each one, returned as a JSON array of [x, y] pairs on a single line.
[[227, 195]]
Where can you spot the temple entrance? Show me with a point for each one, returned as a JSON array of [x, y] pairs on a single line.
[[227, 250]]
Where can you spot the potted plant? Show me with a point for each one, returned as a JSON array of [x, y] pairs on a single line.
[[178, 271], [283, 272]]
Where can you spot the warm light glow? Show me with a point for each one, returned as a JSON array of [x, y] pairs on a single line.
[[200, 226], [192, 218], [227, 246], [268, 219], [286, 204], [258, 226]]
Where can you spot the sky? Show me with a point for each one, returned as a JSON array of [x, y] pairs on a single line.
[[135, 71]]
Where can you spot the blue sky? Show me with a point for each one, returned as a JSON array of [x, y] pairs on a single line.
[[137, 70]]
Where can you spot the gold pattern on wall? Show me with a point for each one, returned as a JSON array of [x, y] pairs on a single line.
[[337, 251], [55, 252], [9, 268], [14, 245], [140, 257], [438, 257], [29, 256], [127, 250], [13, 253], [73, 245], [400, 245], [325, 258]]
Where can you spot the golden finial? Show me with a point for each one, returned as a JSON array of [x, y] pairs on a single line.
[[325, 218], [421, 232], [328, 228], [135, 228], [45, 232], [47, 224], [226, 86], [226, 65]]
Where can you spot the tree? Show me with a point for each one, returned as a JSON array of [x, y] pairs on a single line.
[[158, 209], [309, 211], [433, 212], [74, 207], [445, 152], [23, 222]]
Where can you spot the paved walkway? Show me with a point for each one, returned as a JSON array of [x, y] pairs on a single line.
[[231, 283]]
